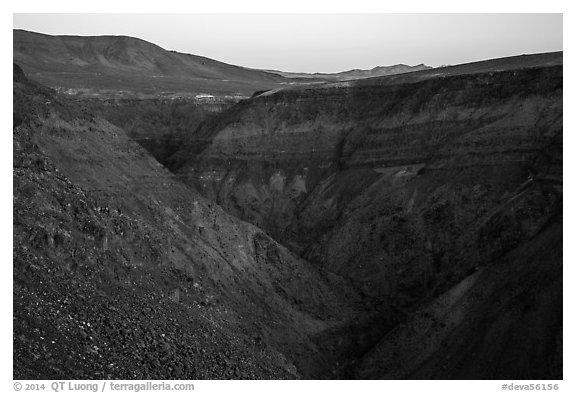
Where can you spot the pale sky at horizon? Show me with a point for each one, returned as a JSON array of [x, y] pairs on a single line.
[[321, 42]]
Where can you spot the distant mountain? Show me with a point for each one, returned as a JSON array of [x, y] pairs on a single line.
[[106, 64], [356, 73], [510, 63]]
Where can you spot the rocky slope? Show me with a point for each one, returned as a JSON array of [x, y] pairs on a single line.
[[405, 186], [121, 271]]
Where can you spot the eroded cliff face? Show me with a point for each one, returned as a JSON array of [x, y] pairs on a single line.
[[403, 188]]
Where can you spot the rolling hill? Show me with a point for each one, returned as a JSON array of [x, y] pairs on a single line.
[[115, 64]]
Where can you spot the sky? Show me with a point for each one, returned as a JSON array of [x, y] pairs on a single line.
[[321, 42]]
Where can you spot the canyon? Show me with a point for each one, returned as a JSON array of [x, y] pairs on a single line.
[[394, 227]]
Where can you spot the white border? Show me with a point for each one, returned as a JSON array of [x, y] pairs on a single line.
[[296, 6]]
